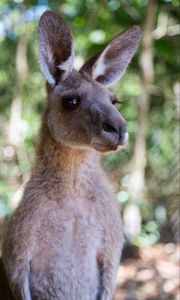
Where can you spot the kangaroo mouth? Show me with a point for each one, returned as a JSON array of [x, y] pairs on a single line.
[[104, 147], [107, 145]]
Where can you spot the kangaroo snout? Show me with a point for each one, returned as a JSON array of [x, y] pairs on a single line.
[[115, 128], [112, 134], [111, 127]]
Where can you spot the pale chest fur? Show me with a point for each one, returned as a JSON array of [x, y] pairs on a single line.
[[80, 217], [72, 234]]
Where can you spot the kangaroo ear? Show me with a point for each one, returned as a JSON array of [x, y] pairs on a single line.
[[55, 47], [109, 65]]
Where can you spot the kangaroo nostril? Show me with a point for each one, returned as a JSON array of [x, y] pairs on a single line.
[[109, 128]]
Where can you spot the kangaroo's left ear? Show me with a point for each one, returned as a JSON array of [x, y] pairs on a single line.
[[109, 65]]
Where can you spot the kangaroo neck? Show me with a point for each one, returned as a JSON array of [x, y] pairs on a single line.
[[62, 163]]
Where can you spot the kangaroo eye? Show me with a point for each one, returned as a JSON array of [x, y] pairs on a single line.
[[115, 101], [70, 103]]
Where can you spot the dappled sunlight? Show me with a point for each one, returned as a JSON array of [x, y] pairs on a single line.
[[145, 174], [153, 275]]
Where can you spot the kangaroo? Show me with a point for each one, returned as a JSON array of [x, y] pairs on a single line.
[[65, 239]]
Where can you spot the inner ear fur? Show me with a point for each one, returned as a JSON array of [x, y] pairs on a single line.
[[55, 47], [109, 65]]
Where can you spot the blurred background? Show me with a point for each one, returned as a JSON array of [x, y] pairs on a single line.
[[145, 174]]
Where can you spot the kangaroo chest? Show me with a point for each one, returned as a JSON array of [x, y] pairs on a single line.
[[69, 227], [69, 241]]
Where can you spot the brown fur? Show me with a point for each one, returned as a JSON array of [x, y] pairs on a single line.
[[65, 239]]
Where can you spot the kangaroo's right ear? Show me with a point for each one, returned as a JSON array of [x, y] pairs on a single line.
[[55, 47]]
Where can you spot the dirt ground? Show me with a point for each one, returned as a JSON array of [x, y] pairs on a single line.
[[154, 274]]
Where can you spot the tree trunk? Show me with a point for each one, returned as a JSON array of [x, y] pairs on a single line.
[[14, 131], [132, 216]]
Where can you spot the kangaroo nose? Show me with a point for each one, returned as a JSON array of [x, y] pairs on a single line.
[[118, 128], [110, 128], [115, 128]]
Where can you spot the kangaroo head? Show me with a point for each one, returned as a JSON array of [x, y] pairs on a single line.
[[80, 107]]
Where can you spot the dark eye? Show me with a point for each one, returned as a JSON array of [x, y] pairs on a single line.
[[70, 103], [115, 101]]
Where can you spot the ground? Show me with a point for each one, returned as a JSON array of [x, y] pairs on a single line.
[[152, 275]]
